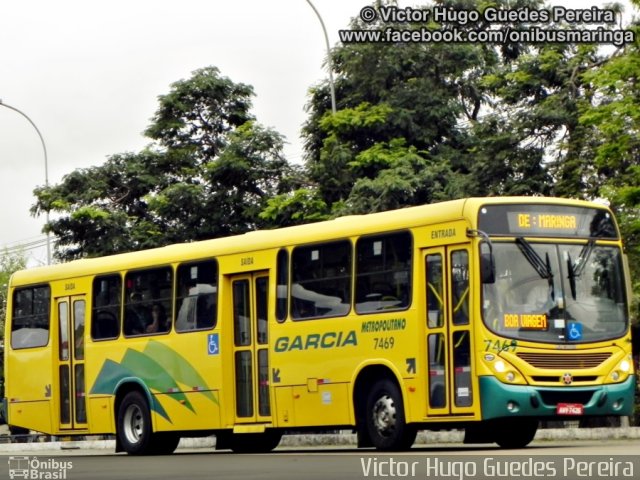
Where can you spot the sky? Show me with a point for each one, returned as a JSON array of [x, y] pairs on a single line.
[[88, 74]]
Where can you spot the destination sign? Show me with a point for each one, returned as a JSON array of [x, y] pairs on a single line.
[[525, 321], [547, 220]]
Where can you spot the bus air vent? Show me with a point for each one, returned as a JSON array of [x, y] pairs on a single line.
[[564, 361]]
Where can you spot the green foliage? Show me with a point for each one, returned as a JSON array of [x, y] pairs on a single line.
[[209, 172], [198, 113], [409, 124], [614, 119], [295, 208]]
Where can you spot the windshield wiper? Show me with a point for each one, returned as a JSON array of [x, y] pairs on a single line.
[[575, 269], [542, 267]]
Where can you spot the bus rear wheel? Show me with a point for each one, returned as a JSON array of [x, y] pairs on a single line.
[[134, 424], [134, 431], [385, 419]]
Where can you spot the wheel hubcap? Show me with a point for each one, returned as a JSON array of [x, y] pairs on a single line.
[[384, 415], [133, 424]]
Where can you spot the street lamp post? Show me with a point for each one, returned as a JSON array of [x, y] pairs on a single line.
[[329, 61], [46, 167]]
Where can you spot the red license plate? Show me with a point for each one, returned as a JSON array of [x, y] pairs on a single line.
[[570, 409]]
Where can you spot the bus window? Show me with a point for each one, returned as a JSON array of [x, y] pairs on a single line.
[[63, 330], [197, 300], [105, 314], [30, 322], [460, 286], [78, 327], [262, 296], [148, 301], [435, 291], [437, 353], [321, 284], [282, 289], [383, 272], [242, 315]]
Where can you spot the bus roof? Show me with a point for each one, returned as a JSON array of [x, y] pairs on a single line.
[[340, 227]]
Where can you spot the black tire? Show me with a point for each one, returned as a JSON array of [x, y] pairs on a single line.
[[515, 432], [255, 442], [20, 435], [385, 419], [134, 425]]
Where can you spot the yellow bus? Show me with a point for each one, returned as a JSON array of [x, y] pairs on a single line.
[[482, 314]]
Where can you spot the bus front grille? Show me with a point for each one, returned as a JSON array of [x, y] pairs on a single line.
[[564, 361], [554, 397]]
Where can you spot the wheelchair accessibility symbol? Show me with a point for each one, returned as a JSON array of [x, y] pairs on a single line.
[[213, 344], [575, 331]]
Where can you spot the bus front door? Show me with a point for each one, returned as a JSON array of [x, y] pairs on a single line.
[[447, 299], [71, 385], [251, 353]]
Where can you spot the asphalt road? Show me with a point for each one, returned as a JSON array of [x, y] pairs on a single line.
[[570, 460]]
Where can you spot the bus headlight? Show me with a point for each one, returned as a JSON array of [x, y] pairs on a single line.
[[622, 370], [625, 366], [504, 371]]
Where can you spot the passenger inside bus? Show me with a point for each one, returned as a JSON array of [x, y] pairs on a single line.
[[159, 321], [137, 317]]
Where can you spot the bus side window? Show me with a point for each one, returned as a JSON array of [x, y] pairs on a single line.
[[105, 313], [282, 289], [383, 272], [197, 296], [148, 297], [321, 280], [30, 319]]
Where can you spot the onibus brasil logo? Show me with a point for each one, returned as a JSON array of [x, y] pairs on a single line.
[[36, 469]]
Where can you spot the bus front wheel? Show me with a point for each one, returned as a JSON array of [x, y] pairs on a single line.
[[385, 419]]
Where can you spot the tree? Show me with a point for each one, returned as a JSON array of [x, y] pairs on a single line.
[[208, 172], [408, 124], [614, 119]]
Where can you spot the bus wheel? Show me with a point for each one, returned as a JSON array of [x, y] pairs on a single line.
[[134, 424], [385, 419], [515, 432]]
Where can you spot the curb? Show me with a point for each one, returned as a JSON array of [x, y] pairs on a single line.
[[339, 439]]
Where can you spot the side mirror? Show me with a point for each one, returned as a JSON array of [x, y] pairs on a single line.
[[487, 265]]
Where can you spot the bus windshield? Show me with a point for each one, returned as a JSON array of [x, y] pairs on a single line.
[[556, 293]]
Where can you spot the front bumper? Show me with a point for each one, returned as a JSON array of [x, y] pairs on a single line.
[[501, 400]]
